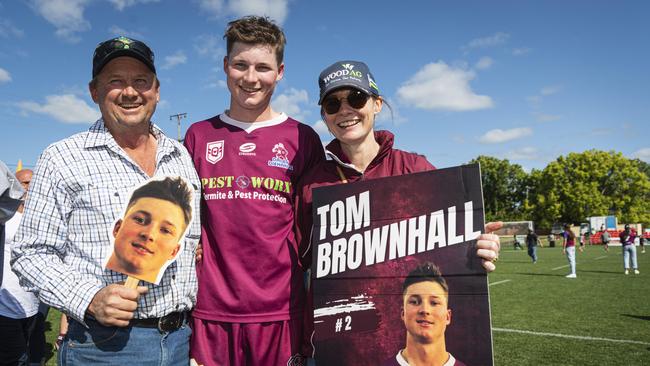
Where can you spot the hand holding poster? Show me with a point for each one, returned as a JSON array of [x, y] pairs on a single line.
[[147, 239], [395, 271]]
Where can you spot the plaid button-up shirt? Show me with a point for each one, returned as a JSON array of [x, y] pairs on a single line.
[[79, 189]]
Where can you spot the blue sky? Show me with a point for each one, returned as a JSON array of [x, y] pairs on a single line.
[[523, 80]]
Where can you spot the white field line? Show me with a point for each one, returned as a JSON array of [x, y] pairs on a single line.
[[499, 282], [560, 267], [571, 336], [600, 257]]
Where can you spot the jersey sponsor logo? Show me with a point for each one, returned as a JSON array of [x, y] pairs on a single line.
[[225, 182], [243, 181], [247, 149], [214, 151], [281, 158]]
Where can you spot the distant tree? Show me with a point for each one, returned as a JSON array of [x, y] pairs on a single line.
[[592, 183], [504, 188], [643, 166]]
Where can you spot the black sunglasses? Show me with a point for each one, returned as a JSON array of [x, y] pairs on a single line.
[[356, 99]]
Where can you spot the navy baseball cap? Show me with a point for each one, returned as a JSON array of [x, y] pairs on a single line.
[[342, 74], [121, 46]]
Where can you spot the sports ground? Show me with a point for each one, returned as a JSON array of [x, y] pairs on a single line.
[[539, 317]]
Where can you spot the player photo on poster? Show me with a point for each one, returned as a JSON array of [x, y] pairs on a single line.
[[148, 235], [395, 270]]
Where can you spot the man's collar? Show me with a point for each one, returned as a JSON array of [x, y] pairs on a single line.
[[99, 135]]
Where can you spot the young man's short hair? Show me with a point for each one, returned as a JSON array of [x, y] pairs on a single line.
[[174, 190], [426, 272], [256, 30]]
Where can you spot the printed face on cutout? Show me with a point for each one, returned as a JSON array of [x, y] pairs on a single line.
[[147, 237], [252, 71], [425, 312]]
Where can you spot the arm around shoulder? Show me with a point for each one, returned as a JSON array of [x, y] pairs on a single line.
[[41, 245]]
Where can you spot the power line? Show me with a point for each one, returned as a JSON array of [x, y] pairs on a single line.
[[178, 119]]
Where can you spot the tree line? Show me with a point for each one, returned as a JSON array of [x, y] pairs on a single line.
[[567, 190]]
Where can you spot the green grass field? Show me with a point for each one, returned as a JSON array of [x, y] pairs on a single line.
[[600, 318], [539, 317]]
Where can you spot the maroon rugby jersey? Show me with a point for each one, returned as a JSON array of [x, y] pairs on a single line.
[[249, 171]]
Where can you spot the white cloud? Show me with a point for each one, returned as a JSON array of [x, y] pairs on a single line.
[[176, 59], [439, 86], [536, 100], [119, 31], [67, 16], [486, 42], [321, 128], [274, 9], [642, 154], [289, 102], [213, 7], [210, 45], [602, 131], [550, 90], [122, 4], [66, 108], [162, 104], [8, 30], [5, 77], [218, 84], [484, 63], [525, 153], [521, 51], [497, 136], [544, 117]]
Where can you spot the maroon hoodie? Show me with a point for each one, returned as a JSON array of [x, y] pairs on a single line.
[[388, 162]]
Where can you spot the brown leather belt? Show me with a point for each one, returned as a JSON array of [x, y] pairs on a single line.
[[167, 323]]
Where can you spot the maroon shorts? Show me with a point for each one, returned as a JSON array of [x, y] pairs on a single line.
[[246, 344]]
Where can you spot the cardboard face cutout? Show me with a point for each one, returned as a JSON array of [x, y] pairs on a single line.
[[149, 234]]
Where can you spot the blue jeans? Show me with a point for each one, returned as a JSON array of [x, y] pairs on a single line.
[[571, 256], [532, 252], [100, 345], [629, 251]]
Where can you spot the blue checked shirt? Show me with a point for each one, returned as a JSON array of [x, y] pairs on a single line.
[[80, 188]]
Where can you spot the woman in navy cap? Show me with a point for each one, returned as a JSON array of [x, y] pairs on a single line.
[[350, 100]]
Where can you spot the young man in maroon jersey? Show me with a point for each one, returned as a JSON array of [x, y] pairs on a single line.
[[249, 158]]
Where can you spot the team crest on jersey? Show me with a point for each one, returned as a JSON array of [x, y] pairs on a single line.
[[214, 151], [281, 158]]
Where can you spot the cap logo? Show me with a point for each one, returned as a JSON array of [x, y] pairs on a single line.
[[347, 71], [372, 83]]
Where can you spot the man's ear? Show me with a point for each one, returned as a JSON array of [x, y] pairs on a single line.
[[175, 251], [401, 313], [92, 88], [117, 227], [448, 316], [280, 72]]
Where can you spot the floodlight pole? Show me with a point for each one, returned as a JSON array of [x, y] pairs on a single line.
[[178, 118]]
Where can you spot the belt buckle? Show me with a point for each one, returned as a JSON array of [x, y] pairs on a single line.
[[170, 322]]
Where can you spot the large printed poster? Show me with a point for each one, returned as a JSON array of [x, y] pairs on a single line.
[[394, 263]]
